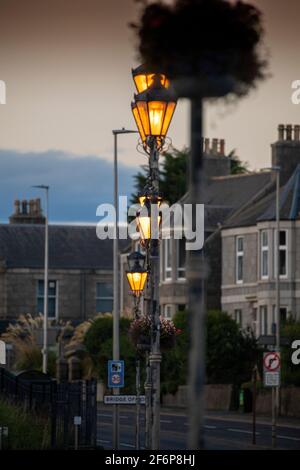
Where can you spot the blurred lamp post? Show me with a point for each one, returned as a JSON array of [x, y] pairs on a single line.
[[46, 263]]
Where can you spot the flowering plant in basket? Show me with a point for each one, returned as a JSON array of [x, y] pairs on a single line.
[[140, 332]]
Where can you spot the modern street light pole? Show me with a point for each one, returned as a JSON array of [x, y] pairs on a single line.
[[116, 302], [276, 392], [46, 263]]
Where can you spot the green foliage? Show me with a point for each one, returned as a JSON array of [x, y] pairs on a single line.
[[230, 353], [290, 373], [175, 362], [25, 431], [172, 176], [236, 165], [99, 344]]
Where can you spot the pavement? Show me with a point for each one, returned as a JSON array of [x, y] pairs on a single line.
[[223, 431]]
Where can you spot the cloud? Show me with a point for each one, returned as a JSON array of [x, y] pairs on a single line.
[[78, 184]]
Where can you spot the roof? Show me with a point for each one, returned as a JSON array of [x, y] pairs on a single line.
[[72, 247], [225, 194], [263, 208]]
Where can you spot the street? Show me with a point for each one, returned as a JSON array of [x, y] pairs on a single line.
[[222, 432]]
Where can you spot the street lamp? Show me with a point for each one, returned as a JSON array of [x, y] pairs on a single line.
[[143, 217], [137, 274], [153, 110], [137, 277], [46, 263], [143, 78]]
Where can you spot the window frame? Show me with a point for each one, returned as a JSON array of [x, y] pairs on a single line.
[[264, 249], [99, 298], [180, 269], [283, 248], [167, 268], [50, 296], [239, 254]]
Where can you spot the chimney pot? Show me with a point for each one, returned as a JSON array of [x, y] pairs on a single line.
[[222, 147], [215, 146], [297, 132], [289, 129], [281, 132], [206, 145], [38, 207], [17, 207], [31, 207], [24, 207]]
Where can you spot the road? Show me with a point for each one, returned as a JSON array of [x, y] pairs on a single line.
[[221, 432]]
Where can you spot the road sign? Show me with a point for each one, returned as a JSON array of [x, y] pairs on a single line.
[[115, 374], [2, 353], [271, 366], [123, 399], [77, 420]]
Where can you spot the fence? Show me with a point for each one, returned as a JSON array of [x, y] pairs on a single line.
[[59, 402]]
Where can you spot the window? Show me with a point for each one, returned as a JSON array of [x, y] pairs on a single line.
[[239, 259], [180, 245], [104, 297], [168, 311], [52, 304], [263, 320], [283, 317], [167, 259], [283, 245], [264, 261], [238, 316]]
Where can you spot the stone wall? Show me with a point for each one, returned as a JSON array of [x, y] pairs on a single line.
[[76, 292], [217, 397]]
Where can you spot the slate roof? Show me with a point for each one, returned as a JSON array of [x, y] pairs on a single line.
[[264, 208], [70, 247], [225, 194]]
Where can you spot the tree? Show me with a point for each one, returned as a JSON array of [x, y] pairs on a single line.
[[236, 165], [231, 352], [290, 373], [172, 182], [99, 344]]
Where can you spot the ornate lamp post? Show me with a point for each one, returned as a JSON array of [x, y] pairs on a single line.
[[137, 277], [153, 109]]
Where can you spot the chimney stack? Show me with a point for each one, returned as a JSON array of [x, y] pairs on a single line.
[[286, 151], [206, 145], [27, 212], [222, 147]]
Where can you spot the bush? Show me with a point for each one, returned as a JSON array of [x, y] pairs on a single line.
[[230, 353], [98, 341], [290, 373], [25, 431]]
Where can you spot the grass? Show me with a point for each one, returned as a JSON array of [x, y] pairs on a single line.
[[25, 430]]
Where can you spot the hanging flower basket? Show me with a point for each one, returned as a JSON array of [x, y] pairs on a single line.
[[140, 333]]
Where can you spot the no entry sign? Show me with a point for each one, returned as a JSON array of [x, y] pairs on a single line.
[[271, 365]]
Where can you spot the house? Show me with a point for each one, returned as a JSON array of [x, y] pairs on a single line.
[[223, 195], [80, 268], [248, 245]]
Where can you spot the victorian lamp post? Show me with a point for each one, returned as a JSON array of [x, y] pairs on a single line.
[[153, 108], [137, 277]]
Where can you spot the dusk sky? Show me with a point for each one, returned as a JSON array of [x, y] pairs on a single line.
[[67, 67]]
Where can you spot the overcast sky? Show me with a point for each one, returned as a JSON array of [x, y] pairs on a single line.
[[67, 68]]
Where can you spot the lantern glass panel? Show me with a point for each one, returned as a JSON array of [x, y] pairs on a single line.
[[138, 122], [144, 118], [168, 117], [157, 111]]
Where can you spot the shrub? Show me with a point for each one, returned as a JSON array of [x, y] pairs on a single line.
[[25, 431]]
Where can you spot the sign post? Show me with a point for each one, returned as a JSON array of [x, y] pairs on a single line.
[[115, 379], [271, 367]]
